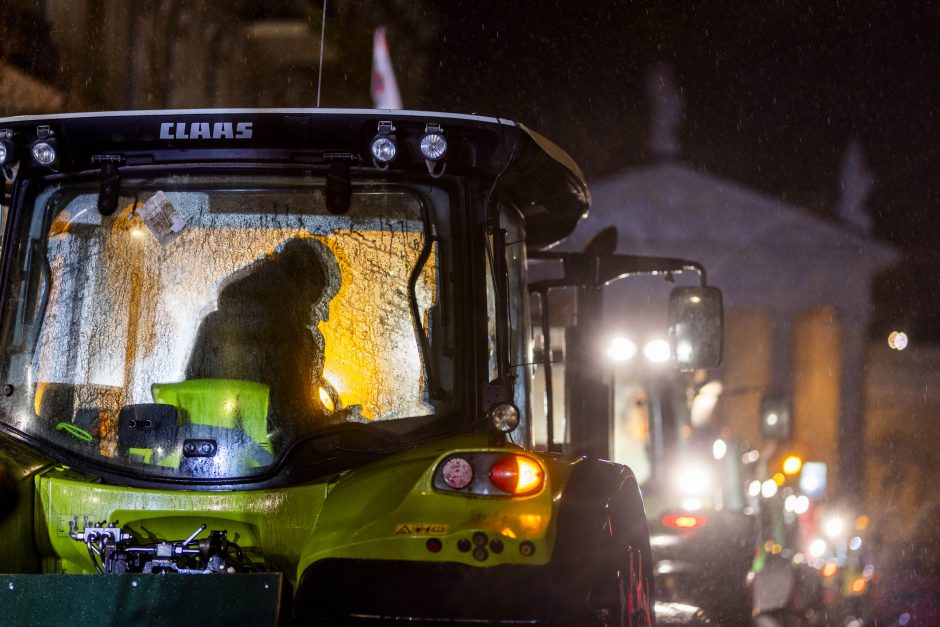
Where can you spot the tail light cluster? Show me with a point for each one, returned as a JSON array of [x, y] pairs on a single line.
[[684, 521], [490, 474]]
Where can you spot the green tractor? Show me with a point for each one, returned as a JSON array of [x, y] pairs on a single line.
[[290, 351]]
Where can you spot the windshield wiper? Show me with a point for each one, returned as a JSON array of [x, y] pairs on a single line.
[[435, 391]]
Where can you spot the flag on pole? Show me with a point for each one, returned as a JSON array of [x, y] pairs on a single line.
[[384, 88]]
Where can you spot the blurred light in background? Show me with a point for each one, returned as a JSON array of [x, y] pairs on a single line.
[[621, 349], [817, 547], [768, 488], [792, 465], [834, 527], [897, 340], [657, 351]]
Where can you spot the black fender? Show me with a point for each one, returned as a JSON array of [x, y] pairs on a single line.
[[601, 513]]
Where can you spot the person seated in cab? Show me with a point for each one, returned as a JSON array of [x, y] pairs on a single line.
[[265, 330]]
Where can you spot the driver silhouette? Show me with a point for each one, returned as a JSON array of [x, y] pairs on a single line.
[[265, 329]]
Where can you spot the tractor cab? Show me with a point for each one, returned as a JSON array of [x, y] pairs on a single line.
[[297, 344], [195, 296]]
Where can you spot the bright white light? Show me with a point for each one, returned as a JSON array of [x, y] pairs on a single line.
[[663, 540], [855, 543], [657, 351], [834, 527], [433, 146], [809, 483], [753, 488], [383, 149], [751, 456], [693, 480], [790, 503], [817, 547], [719, 449], [772, 419], [684, 351], [621, 349], [897, 340], [768, 488], [802, 504], [692, 505], [43, 153]]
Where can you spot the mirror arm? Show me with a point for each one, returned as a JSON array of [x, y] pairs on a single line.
[[584, 270]]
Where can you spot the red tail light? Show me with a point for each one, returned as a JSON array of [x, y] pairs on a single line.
[[684, 521], [517, 474]]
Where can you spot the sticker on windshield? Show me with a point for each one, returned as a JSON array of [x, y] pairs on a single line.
[[420, 529], [162, 218]]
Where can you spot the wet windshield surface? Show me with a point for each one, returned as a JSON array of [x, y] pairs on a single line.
[[210, 323]]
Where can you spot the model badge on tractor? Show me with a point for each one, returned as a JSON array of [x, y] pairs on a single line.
[[273, 367]]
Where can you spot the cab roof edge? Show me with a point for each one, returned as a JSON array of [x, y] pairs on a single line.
[[286, 111]]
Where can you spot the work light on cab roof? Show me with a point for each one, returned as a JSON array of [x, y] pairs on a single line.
[[433, 144], [6, 147], [384, 147], [44, 148]]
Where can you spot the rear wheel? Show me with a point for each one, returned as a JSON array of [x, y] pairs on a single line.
[[621, 595]]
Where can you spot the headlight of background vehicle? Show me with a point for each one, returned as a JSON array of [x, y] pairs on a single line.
[[693, 480]]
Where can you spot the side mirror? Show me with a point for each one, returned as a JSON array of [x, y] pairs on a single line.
[[696, 327]]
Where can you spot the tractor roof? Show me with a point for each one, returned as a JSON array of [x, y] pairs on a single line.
[[533, 173]]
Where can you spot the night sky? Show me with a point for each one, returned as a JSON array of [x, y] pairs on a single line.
[[773, 91]]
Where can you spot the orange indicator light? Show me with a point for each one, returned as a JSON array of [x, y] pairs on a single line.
[[517, 474], [830, 569]]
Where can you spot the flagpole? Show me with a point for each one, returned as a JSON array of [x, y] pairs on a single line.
[[320, 71]]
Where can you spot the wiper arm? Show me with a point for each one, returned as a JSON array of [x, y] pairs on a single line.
[[435, 391]]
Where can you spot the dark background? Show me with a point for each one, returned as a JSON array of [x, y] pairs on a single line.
[[773, 91]]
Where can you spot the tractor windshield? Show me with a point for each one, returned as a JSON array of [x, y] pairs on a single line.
[[209, 323]]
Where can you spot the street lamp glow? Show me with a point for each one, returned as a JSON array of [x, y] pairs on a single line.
[[621, 349], [657, 351]]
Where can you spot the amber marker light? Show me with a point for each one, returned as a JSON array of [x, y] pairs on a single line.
[[517, 474], [792, 465]]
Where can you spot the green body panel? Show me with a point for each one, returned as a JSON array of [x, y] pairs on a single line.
[[153, 600], [386, 510]]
